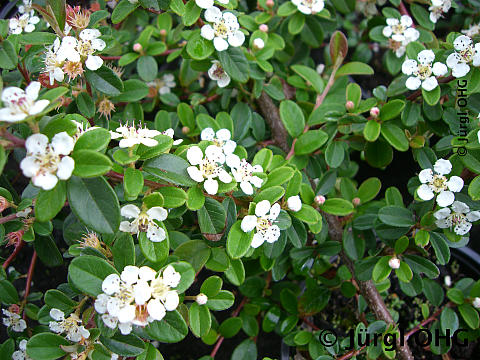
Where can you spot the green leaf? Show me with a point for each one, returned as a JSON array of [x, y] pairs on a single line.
[[391, 109], [278, 176], [311, 76], [382, 270], [47, 251], [199, 48], [87, 273], [46, 346], [195, 198], [8, 55], [334, 154], [185, 114], [151, 353], [156, 252], [170, 168], [89, 163], [222, 301], [431, 97], [338, 48], [422, 16], [124, 345], [57, 299], [395, 136], [421, 265], [230, 327], [212, 217], [296, 22], [379, 153], [247, 350], [37, 38], [105, 80], [211, 286], [132, 182], [404, 273], [192, 13], [122, 10], [470, 315], [234, 63], [371, 131], [369, 189], [94, 203], [133, 90], [474, 189], [171, 329], [86, 105], [308, 215], [147, 68], [49, 203], [292, 117], [177, 7], [123, 251], [337, 206], [59, 11], [8, 293], [238, 242], [286, 9], [273, 194], [199, 319], [354, 68], [95, 139], [174, 197], [396, 216], [310, 141], [195, 252]]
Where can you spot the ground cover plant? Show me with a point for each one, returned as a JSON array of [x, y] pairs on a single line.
[[224, 179]]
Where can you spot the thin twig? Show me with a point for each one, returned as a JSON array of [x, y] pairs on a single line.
[[166, 52], [14, 254], [7, 218], [29, 280]]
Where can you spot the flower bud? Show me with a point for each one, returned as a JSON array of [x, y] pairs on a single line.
[[137, 47], [263, 28], [394, 262], [163, 32], [319, 199], [476, 303], [320, 68], [185, 129], [374, 111], [258, 43], [201, 299], [3, 203], [294, 203], [269, 3], [356, 201], [448, 281], [350, 105]]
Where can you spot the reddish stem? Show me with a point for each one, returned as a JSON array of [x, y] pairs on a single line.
[[166, 52], [14, 254], [29, 279], [7, 218], [24, 73], [312, 325]]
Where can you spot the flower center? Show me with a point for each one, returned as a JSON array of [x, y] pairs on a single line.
[[70, 323], [467, 54], [219, 71], [125, 294], [263, 224], [398, 29], [209, 168], [458, 218], [143, 222], [159, 288], [23, 21], [308, 3], [221, 29], [48, 161], [85, 48], [439, 183], [424, 71], [22, 104]]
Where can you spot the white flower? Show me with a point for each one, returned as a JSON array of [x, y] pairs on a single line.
[[434, 182], [309, 6], [459, 218], [75, 50], [47, 162], [222, 140], [170, 132], [294, 203], [207, 171], [13, 321], [82, 129], [224, 29], [54, 64], [421, 72], [24, 23], [447, 281], [206, 4], [263, 222], [394, 263], [258, 43], [163, 297], [438, 8], [472, 30], [21, 103], [26, 7], [401, 33], [21, 354], [24, 213], [476, 303], [70, 326], [465, 54], [133, 136], [201, 299], [242, 172], [219, 75], [144, 221], [166, 83]]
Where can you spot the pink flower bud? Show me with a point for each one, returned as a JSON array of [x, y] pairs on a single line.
[[270, 3], [263, 27], [137, 47], [356, 201], [185, 129], [349, 105], [374, 111], [320, 199], [163, 32]]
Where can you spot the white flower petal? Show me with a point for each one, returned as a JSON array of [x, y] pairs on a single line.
[[207, 134], [46, 181], [439, 69], [32, 90], [429, 83], [207, 32], [455, 184], [93, 62], [442, 166], [425, 193], [62, 143], [38, 107], [262, 208], [194, 155], [211, 186], [409, 66], [248, 223], [413, 83], [220, 44], [111, 284], [195, 174], [425, 176], [130, 211], [157, 213], [156, 309], [445, 198], [57, 314], [171, 301], [204, 4], [257, 240], [236, 39], [130, 274], [65, 168]]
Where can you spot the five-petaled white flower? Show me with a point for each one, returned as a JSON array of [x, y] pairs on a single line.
[[421, 72], [26, 7], [309, 6], [434, 182], [263, 222], [53, 63], [458, 216], [144, 221], [83, 49], [71, 325], [208, 169], [47, 162], [133, 136], [206, 4], [163, 297], [25, 22], [21, 354], [219, 75], [224, 30], [14, 321], [438, 8], [369, 7], [223, 145], [242, 172], [472, 30], [401, 33], [294, 203], [21, 103], [465, 54]]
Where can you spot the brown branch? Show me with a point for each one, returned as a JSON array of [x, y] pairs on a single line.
[[352, 353], [14, 254], [7, 218], [154, 11], [29, 280], [16, 141], [272, 117], [24, 73]]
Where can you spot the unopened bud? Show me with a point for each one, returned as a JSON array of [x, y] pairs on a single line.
[[258, 43], [269, 3], [448, 281], [163, 32], [320, 199], [263, 28], [476, 303], [3, 203], [374, 111], [320, 68], [137, 47], [350, 105], [185, 129], [356, 201], [201, 299], [394, 262], [16, 309]]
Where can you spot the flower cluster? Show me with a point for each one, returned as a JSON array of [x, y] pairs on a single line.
[[163, 85], [14, 321], [21, 103], [144, 221], [400, 33], [47, 162], [458, 217], [466, 53], [224, 29], [137, 297], [26, 21], [21, 354], [420, 73], [131, 136], [263, 222], [438, 8], [71, 326]]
